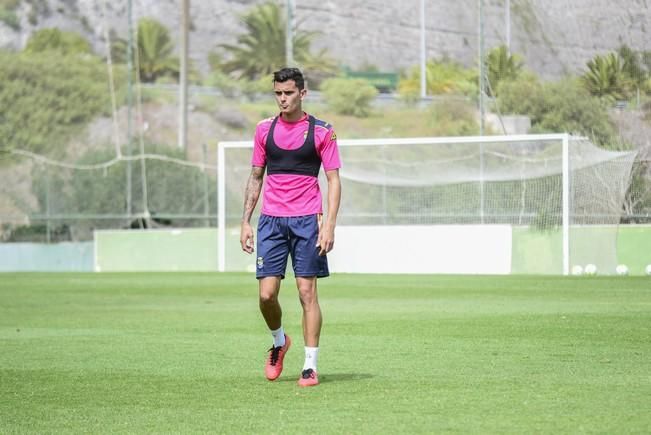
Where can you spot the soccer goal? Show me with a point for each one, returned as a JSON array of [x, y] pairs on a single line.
[[490, 204]]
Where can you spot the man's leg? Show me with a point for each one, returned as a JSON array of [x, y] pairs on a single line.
[[312, 320], [272, 313], [269, 305], [307, 293]]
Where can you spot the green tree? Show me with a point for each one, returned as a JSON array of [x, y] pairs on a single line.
[[557, 107], [501, 66], [261, 49], [632, 65], [637, 66], [59, 41], [155, 51], [155, 48], [607, 78], [45, 99], [646, 60]]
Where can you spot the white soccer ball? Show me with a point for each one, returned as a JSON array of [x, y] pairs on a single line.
[[621, 269], [590, 269], [648, 269], [577, 270]]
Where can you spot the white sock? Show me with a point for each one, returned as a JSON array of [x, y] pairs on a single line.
[[279, 336], [311, 355]]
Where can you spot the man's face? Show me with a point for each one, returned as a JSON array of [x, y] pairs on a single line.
[[288, 97]]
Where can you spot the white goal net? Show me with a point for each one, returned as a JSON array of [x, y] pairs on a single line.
[[490, 204]]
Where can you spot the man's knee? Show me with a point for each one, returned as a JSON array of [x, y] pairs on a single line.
[[269, 288], [307, 292], [268, 298]]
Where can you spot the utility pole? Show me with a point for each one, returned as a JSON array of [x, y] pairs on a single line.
[[130, 44], [423, 53], [482, 94], [289, 34], [183, 76]]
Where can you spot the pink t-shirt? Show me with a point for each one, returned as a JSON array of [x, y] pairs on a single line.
[[290, 194]]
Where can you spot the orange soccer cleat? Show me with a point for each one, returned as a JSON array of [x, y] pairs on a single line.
[[274, 366], [309, 378]]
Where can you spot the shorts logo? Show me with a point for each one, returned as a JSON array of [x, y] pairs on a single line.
[[260, 262]]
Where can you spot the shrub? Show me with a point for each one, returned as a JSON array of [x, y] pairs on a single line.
[[557, 107], [62, 42], [443, 77], [9, 18], [8, 13], [349, 96], [454, 117]]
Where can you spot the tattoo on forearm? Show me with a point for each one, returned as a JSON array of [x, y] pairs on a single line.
[[253, 188]]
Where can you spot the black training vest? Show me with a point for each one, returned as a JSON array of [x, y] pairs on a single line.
[[301, 161]]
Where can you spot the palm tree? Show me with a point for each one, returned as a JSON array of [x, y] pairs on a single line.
[[154, 55], [501, 66], [155, 51], [606, 77], [261, 49]]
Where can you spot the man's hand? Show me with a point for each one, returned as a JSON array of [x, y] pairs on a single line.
[[246, 237], [327, 230], [253, 188], [326, 239]]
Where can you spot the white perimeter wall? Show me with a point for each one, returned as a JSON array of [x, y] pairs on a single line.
[[456, 249]]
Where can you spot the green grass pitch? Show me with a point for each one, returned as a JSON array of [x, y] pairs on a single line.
[[184, 353]]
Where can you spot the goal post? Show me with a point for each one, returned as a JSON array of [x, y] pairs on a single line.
[[566, 203], [536, 203]]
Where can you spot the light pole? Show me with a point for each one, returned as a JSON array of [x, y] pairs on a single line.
[[482, 79], [183, 76], [423, 54], [130, 44], [289, 34], [507, 15]]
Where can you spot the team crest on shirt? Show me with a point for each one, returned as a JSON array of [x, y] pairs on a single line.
[[334, 136], [305, 134], [260, 262]]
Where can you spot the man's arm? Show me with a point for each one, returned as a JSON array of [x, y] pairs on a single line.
[[327, 231], [251, 195]]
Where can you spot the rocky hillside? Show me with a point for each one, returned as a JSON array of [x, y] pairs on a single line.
[[554, 36]]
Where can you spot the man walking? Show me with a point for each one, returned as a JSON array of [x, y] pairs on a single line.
[[292, 147]]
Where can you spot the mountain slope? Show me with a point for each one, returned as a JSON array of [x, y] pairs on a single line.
[[554, 36]]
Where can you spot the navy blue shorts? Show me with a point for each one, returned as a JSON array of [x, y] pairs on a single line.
[[280, 237]]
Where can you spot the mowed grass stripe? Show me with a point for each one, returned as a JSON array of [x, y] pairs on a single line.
[[169, 352]]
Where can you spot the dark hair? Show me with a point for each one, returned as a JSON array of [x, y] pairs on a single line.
[[290, 74]]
